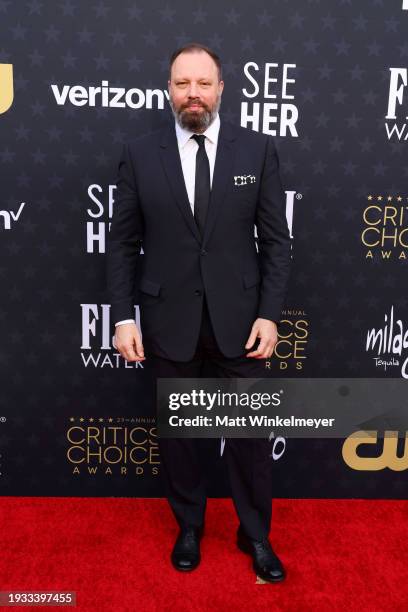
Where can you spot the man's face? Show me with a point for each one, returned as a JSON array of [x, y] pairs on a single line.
[[194, 90]]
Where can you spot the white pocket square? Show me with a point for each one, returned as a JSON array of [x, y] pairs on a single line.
[[244, 179]]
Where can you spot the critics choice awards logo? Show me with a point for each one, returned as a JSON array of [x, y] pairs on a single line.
[[385, 227], [120, 445], [290, 350]]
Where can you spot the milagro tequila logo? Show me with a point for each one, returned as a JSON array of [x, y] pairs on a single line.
[[385, 227], [389, 342], [97, 349]]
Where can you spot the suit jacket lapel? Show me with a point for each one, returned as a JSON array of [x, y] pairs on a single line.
[[224, 160], [222, 180], [170, 157]]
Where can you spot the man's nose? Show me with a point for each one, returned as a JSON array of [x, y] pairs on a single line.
[[193, 91]]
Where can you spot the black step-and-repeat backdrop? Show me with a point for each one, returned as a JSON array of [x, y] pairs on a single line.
[[329, 80]]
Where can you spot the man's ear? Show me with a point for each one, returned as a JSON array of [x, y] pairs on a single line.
[[221, 85]]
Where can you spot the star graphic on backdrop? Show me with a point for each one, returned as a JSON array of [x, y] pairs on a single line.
[[134, 12]]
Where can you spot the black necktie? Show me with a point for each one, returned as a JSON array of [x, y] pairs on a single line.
[[202, 183]]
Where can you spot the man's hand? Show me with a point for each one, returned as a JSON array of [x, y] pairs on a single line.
[[267, 331], [128, 342]]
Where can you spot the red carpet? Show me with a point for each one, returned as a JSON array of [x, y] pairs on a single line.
[[339, 554]]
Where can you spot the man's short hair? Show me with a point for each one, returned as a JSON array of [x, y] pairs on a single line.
[[194, 48]]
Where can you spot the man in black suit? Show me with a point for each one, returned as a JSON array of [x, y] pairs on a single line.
[[190, 195]]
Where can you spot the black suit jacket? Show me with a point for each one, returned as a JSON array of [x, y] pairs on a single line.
[[152, 210]]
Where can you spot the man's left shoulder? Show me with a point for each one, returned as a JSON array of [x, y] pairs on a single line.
[[249, 137]]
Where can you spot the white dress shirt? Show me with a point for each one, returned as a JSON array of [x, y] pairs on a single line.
[[188, 148]]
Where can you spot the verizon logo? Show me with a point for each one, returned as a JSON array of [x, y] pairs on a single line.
[[114, 97], [8, 215]]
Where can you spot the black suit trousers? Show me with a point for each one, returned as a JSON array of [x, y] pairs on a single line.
[[249, 462]]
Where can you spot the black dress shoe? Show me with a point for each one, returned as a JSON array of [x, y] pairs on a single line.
[[266, 563], [186, 552]]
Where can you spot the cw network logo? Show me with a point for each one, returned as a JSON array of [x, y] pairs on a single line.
[[6, 87]]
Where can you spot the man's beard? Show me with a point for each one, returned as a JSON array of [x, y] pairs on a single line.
[[195, 121]]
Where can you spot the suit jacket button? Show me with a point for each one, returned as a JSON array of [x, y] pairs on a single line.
[[197, 292], [204, 252]]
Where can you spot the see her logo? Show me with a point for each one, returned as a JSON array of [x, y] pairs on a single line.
[[6, 87]]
